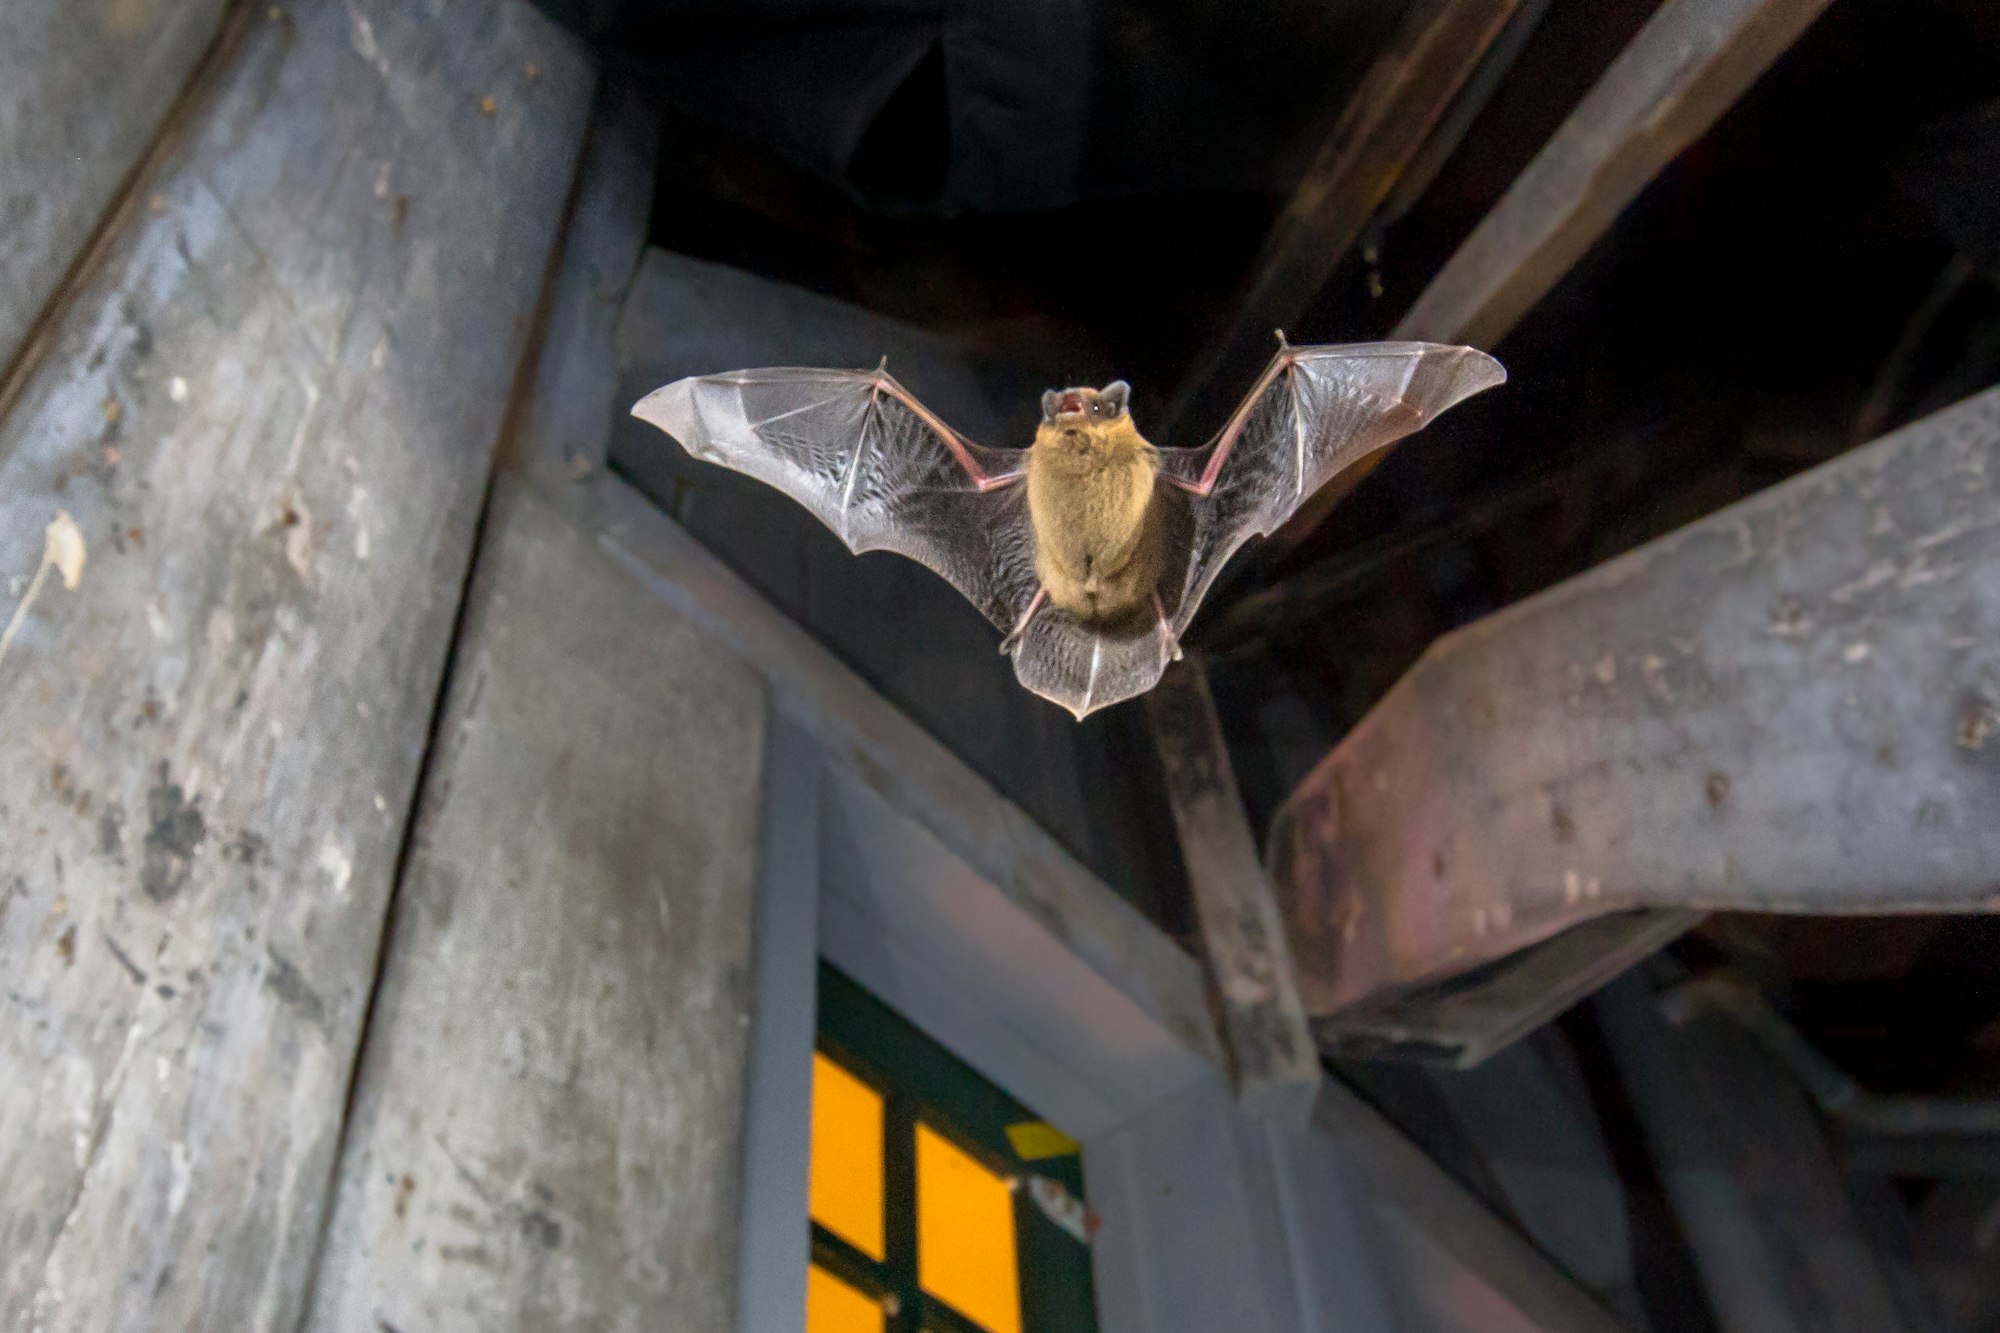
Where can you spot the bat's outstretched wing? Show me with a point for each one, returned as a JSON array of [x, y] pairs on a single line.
[[873, 464], [1314, 412]]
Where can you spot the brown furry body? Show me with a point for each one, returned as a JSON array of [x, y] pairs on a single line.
[[1090, 502]]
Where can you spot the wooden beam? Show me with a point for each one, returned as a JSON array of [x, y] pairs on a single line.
[[548, 1122], [1385, 125], [1676, 78], [1687, 66], [1272, 1053], [268, 418], [86, 96], [1779, 708], [564, 428]]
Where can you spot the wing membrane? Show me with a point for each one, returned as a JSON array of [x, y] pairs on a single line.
[[1315, 412], [873, 464]]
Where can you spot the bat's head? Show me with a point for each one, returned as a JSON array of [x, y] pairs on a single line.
[[1076, 407]]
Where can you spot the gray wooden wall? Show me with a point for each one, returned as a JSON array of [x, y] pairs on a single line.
[[268, 405]]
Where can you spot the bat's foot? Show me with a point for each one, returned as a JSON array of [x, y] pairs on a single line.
[[1013, 640], [1170, 642]]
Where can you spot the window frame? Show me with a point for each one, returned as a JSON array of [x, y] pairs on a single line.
[[922, 1082]]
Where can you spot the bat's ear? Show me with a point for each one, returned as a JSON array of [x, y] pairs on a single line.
[[1117, 393], [1050, 401]]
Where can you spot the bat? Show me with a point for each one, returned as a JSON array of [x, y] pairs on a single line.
[[1091, 549]]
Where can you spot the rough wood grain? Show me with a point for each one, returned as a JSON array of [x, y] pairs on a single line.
[[271, 412], [1792, 705], [84, 88], [548, 1123], [1271, 1048]]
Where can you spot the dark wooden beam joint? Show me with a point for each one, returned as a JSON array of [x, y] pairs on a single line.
[[1275, 1061], [1684, 69], [1675, 79], [1383, 128]]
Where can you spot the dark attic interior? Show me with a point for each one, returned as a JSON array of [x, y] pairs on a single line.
[[468, 863]]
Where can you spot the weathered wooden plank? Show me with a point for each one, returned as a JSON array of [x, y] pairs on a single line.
[[548, 1122], [1385, 125], [271, 411], [1676, 78], [84, 90], [565, 424], [1792, 705], [1686, 67], [1271, 1049]]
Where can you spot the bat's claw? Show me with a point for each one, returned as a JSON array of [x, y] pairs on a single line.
[[1013, 640], [1170, 642]]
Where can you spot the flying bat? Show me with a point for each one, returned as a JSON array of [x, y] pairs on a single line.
[[1091, 549]]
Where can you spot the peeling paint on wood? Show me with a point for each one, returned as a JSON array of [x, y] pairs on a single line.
[[548, 1127], [229, 689]]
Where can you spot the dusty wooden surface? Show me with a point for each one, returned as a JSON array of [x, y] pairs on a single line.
[[84, 89], [271, 414], [548, 1126], [1791, 705], [1271, 1048]]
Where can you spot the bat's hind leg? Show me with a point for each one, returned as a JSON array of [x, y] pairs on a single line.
[[1008, 644], [1170, 643]]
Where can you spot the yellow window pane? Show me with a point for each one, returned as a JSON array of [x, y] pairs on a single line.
[[965, 1235], [847, 1157], [834, 1307]]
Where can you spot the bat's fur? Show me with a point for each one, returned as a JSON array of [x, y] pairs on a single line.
[[1091, 479]]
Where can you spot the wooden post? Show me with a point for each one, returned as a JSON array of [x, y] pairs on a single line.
[[548, 1122], [1271, 1049], [261, 436], [86, 92]]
